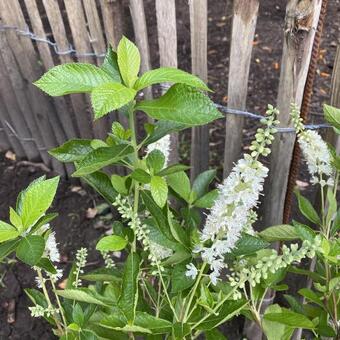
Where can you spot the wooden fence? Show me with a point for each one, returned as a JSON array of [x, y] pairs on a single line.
[[31, 123]]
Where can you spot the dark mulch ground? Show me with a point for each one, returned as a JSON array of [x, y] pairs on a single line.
[[73, 228]]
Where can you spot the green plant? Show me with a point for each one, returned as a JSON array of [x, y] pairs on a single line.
[[172, 284]]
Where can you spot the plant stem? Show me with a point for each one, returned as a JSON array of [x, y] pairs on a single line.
[[59, 304], [193, 291]]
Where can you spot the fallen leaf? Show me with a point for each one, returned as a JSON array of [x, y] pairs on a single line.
[[91, 213], [62, 284], [10, 155], [301, 184]]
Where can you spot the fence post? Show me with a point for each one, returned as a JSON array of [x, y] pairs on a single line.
[[4, 141], [301, 22], [243, 29], [141, 36], [167, 36], [199, 65]]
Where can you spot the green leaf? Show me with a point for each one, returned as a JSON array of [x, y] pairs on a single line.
[[159, 190], [128, 61], [110, 65], [141, 176], [78, 315], [307, 209], [249, 244], [229, 309], [80, 295], [110, 96], [290, 319], [154, 324], [7, 232], [102, 184], [118, 182], [275, 330], [179, 281], [71, 151], [214, 334], [155, 160], [294, 304], [47, 265], [282, 232], [172, 169], [30, 249], [304, 232], [15, 219], [100, 158], [202, 181], [169, 75], [103, 274], [129, 295], [181, 104], [111, 243], [311, 296], [332, 115], [208, 200], [37, 199], [180, 183], [7, 248], [72, 78]]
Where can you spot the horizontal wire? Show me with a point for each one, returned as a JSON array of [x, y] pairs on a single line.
[[71, 50]]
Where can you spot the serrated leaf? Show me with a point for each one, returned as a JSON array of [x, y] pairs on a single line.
[[304, 232], [128, 61], [30, 249], [72, 78], [290, 319], [37, 199], [71, 151], [103, 274], [47, 265], [155, 160], [332, 115], [15, 219], [311, 296], [154, 324], [7, 248], [208, 200], [79, 295], [129, 295], [102, 184], [172, 169], [159, 190], [282, 232], [249, 244], [110, 64], [111, 243], [118, 183], [180, 183], [7, 232], [110, 96], [179, 281], [100, 158], [181, 104], [169, 75]]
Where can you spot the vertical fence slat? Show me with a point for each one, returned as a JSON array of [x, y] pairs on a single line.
[[65, 119], [28, 63], [4, 141], [199, 43], [294, 68], [98, 43], [76, 18], [14, 95], [243, 29], [141, 36], [331, 137], [167, 37], [112, 13]]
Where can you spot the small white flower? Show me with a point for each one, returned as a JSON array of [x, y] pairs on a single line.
[[191, 271], [37, 311], [52, 248]]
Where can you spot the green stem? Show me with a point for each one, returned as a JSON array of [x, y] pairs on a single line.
[[193, 291], [59, 304]]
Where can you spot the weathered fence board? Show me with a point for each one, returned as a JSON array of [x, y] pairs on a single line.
[[243, 30], [199, 66], [141, 37], [167, 37], [297, 49], [4, 141]]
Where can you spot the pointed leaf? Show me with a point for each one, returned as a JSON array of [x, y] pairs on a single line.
[[282, 232], [71, 151], [72, 78], [108, 97], [111, 243], [7, 232], [332, 115], [180, 183], [30, 249], [290, 319], [80, 295], [208, 200], [159, 190], [110, 65], [169, 75], [202, 181], [181, 104]]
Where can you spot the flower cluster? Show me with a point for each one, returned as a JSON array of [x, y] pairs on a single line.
[[163, 145], [38, 311], [51, 248], [157, 252], [314, 149], [81, 257], [107, 259], [253, 274], [232, 211]]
